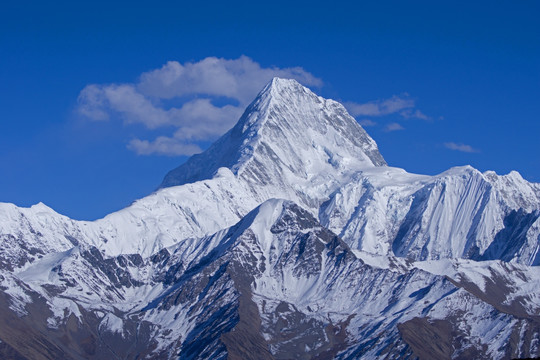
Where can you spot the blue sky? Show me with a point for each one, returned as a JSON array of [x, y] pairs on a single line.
[[436, 85]]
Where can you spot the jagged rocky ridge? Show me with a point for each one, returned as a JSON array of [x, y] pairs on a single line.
[[358, 259]]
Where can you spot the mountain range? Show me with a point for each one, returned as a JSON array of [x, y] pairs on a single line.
[[288, 238]]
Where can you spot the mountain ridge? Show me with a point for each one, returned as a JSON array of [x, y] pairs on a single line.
[[297, 241]]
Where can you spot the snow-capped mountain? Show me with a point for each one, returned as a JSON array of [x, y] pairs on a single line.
[[290, 237]]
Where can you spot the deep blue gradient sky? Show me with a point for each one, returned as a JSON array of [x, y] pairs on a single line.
[[472, 67]]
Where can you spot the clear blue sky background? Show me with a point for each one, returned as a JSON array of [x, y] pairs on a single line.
[[472, 67]]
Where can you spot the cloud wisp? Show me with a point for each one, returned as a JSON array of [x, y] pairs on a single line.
[[380, 107], [460, 147], [197, 87], [367, 122], [402, 105], [393, 127]]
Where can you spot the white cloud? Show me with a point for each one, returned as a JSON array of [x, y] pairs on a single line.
[[460, 147], [393, 127], [380, 107], [163, 146], [135, 107], [200, 119], [367, 122], [402, 105], [237, 80], [416, 114], [92, 103]]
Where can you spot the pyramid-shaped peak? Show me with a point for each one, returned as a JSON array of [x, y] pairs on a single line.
[[283, 82], [283, 88], [278, 83], [286, 132]]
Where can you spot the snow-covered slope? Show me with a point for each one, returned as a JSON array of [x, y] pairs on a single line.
[[282, 286], [290, 143], [356, 259], [460, 213], [287, 133]]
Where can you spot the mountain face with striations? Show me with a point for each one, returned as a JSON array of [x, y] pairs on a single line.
[[289, 238]]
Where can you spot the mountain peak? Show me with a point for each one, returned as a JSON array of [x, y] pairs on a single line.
[[282, 88], [281, 83], [286, 131]]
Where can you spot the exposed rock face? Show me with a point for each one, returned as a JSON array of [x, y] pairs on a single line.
[[289, 237]]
